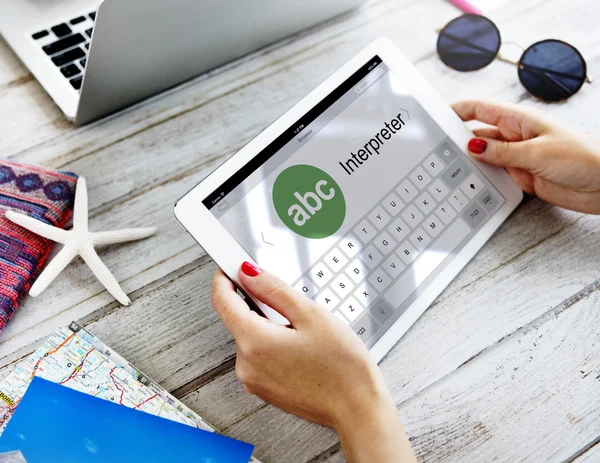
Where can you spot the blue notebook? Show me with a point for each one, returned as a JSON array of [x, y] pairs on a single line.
[[55, 424]]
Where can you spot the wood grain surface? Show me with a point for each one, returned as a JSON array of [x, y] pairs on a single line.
[[504, 366]]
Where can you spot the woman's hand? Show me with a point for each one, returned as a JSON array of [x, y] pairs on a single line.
[[317, 369], [545, 159]]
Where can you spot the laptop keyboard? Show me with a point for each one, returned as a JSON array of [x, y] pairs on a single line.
[[367, 279], [67, 44]]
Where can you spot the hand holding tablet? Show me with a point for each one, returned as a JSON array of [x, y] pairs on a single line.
[[361, 197]]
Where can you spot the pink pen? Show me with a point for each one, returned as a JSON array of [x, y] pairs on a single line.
[[465, 6]]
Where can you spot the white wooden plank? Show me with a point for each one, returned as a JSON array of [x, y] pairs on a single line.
[[12, 71], [333, 456], [170, 333], [531, 398], [591, 455], [223, 401]]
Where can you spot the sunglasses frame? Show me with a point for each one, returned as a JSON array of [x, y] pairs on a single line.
[[501, 57]]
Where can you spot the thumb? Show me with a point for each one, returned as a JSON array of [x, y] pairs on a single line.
[[275, 293], [503, 153]]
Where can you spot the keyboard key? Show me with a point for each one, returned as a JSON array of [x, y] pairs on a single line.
[[365, 231], [306, 287], [350, 245], [68, 56], [393, 204], [328, 299], [82, 62], [385, 243], [412, 216], [70, 70], [426, 203], [320, 274], [472, 186], [474, 214], [381, 311], [489, 202], [393, 266], [77, 20], [76, 83], [371, 257], [458, 200], [351, 309], [433, 226], [365, 294], [61, 30], [407, 191], [420, 239], [445, 213], [357, 270], [380, 279], [39, 35], [93, 15], [365, 328], [399, 229], [336, 260], [433, 165], [379, 217], [63, 44], [438, 190], [341, 317], [407, 252], [446, 153], [404, 286], [89, 32], [456, 174], [420, 178], [342, 286]]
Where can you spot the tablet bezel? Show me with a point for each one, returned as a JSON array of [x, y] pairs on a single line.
[[229, 255]]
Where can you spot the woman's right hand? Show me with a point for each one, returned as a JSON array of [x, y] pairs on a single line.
[[557, 165]]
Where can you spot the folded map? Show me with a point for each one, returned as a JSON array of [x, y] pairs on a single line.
[[75, 358]]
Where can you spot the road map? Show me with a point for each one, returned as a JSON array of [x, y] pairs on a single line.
[[77, 359]]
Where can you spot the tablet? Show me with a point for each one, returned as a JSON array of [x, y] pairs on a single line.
[[360, 197]]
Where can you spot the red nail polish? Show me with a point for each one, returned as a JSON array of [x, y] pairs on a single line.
[[250, 270], [477, 146]]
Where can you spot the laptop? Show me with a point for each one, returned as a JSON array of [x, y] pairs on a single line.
[[94, 58]]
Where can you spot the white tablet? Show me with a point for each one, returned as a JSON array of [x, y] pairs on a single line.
[[360, 196]]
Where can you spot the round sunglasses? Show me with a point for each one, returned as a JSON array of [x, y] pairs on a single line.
[[550, 69]]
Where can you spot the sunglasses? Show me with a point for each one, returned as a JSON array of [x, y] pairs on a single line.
[[551, 70]]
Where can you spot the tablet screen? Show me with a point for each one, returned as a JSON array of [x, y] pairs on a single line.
[[359, 204]]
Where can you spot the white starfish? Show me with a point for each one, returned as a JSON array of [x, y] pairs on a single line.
[[80, 241]]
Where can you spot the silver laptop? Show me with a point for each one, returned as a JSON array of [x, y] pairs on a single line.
[[96, 57]]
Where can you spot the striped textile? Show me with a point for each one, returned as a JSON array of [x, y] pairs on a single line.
[[41, 194]]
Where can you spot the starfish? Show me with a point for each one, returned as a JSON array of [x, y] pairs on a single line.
[[79, 241]]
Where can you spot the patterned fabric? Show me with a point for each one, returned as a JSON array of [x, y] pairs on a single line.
[[43, 195]]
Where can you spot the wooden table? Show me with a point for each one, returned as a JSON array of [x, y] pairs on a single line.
[[505, 365]]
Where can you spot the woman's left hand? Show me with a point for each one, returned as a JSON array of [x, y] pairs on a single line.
[[317, 369]]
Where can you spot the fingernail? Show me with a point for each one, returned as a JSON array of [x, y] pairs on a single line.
[[250, 270], [477, 146]]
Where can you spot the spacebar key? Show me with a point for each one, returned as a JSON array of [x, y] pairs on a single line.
[[427, 263]]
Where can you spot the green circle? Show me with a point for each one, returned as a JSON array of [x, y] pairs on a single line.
[[309, 201]]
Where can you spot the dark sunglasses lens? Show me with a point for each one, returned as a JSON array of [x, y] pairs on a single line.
[[468, 43], [552, 70]]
